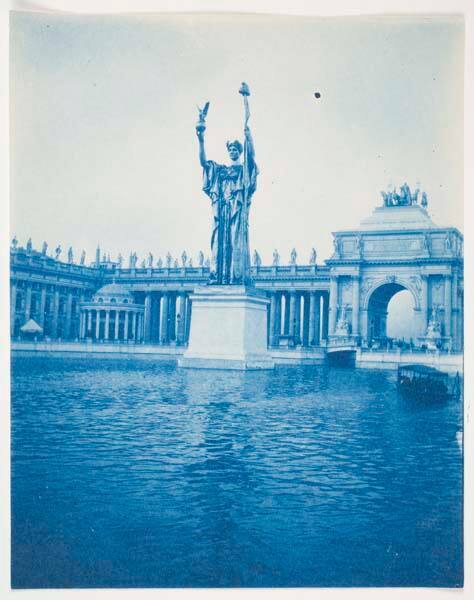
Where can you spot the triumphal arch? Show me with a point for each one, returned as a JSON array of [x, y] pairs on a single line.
[[398, 247]]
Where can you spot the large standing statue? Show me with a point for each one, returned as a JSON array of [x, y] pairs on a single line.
[[230, 188]]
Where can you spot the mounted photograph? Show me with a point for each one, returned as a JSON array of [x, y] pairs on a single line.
[[236, 301]]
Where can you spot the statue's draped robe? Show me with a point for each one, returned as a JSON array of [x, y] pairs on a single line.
[[230, 189]]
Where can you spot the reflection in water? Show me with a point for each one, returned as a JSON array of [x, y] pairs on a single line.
[[136, 474]]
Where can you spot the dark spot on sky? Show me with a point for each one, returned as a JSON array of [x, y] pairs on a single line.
[[317, 95]]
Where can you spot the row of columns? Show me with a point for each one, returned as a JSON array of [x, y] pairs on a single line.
[[301, 315], [167, 317], [112, 324], [26, 312]]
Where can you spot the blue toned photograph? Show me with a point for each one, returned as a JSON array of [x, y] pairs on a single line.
[[236, 301]]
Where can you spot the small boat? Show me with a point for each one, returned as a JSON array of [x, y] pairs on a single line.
[[427, 383]]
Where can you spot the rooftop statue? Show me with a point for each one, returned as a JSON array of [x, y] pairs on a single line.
[[169, 261], [257, 261], [230, 188], [150, 259], [83, 257], [201, 258], [14, 243], [57, 252], [29, 245], [44, 248], [312, 256], [405, 198], [119, 260], [293, 256], [184, 259], [133, 260], [424, 200], [276, 258], [70, 255]]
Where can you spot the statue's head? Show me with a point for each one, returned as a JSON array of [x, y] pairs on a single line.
[[234, 149]]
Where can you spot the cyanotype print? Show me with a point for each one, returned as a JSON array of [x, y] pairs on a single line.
[[226, 375]]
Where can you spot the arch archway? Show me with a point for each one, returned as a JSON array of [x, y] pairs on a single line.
[[377, 309]]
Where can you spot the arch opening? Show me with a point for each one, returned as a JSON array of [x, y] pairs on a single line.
[[391, 316]]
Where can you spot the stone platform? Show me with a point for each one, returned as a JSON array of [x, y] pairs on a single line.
[[228, 329]]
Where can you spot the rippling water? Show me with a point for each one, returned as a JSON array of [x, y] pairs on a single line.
[[132, 474]]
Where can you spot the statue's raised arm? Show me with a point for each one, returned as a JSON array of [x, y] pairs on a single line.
[[200, 129]]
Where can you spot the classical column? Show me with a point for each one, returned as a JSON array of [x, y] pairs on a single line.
[[54, 328], [297, 321], [172, 317], [271, 329], [12, 307], [164, 318], [89, 323], [117, 324], [81, 324], [147, 316], [424, 305], [332, 305], [28, 303], [125, 327], [188, 316], [42, 306], [317, 319], [137, 327], [134, 325], [277, 330], [325, 311], [355, 304], [455, 311], [306, 319], [292, 315], [447, 305], [157, 320], [107, 324], [67, 333], [312, 318], [182, 317], [97, 324], [286, 317]]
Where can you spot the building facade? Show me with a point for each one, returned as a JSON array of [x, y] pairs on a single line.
[[342, 303]]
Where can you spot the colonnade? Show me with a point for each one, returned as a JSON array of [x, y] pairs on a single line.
[[55, 308], [167, 317], [299, 315], [112, 324]]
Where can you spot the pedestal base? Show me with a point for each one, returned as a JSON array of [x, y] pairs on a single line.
[[228, 329]]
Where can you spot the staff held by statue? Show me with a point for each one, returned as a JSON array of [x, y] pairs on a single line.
[[245, 92]]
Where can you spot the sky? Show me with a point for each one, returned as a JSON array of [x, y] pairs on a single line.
[[103, 114]]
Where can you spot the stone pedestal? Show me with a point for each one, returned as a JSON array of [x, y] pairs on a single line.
[[228, 329]]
